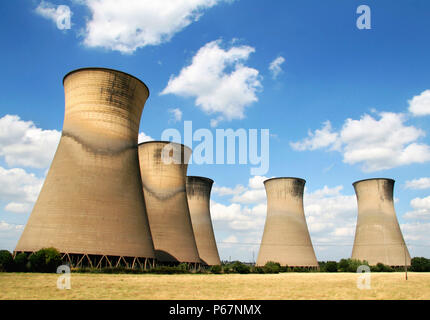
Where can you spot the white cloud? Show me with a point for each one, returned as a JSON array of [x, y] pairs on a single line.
[[422, 183], [215, 89], [378, 144], [275, 66], [23, 144], [17, 207], [144, 138], [420, 105], [417, 238], [9, 235], [421, 208], [176, 114], [254, 193], [328, 211], [20, 189], [225, 191], [61, 14], [4, 226], [126, 25], [320, 139]]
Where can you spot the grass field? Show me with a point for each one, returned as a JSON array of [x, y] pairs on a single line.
[[231, 286]]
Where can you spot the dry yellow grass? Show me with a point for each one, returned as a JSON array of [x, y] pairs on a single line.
[[284, 286]]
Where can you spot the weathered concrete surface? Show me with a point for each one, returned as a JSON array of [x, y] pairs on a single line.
[[163, 168], [286, 237], [92, 201], [198, 194], [378, 237]]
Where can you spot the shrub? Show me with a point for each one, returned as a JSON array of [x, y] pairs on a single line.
[[350, 265], [45, 260], [239, 267], [183, 266], [21, 262], [343, 265], [354, 264], [6, 261], [168, 270], [420, 264], [216, 269], [258, 270], [272, 267], [380, 267], [331, 266]]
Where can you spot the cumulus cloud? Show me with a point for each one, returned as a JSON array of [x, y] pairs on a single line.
[[421, 209], [215, 89], [275, 66], [175, 114], [378, 144], [20, 189], [418, 184], [420, 105], [126, 25], [253, 193], [61, 15], [9, 234], [225, 191], [144, 138], [416, 232], [321, 138], [24, 144], [329, 212]]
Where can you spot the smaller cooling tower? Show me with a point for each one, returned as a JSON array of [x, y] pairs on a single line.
[[198, 193], [163, 168], [378, 237], [286, 237]]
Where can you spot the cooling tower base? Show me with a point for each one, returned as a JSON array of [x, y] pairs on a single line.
[[82, 260]]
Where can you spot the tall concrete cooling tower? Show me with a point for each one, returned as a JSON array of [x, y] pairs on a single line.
[[91, 207], [378, 237], [198, 194], [286, 238], [163, 168]]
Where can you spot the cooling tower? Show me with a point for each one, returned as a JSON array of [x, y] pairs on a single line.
[[286, 238], [163, 168], [378, 237], [91, 203], [198, 194]]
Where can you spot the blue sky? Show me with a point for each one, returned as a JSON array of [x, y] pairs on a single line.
[[344, 105]]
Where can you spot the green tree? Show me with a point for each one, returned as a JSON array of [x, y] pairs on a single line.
[[20, 262], [343, 265], [216, 269], [331, 266], [420, 264], [272, 267], [45, 260], [6, 261], [239, 267]]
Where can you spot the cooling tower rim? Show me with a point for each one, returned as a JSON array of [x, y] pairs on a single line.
[[202, 178], [105, 69], [164, 142], [386, 179], [284, 178]]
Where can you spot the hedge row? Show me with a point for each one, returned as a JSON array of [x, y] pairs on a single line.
[[44, 260], [48, 259]]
